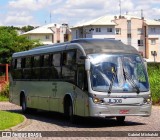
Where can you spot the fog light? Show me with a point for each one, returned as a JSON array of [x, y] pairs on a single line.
[[148, 100]]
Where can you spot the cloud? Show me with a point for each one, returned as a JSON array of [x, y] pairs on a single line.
[[19, 19], [29, 4], [74, 11]]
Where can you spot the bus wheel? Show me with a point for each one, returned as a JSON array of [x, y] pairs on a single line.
[[24, 105], [68, 110], [120, 119]]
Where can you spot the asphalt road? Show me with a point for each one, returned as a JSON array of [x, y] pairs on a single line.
[[49, 121]]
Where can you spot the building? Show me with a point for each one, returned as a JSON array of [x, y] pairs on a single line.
[[50, 33], [141, 33]]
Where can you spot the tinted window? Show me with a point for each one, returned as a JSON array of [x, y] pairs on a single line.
[[69, 58], [69, 73], [79, 61], [27, 62], [36, 61], [18, 63], [56, 59], [46, 60], [14, 63]]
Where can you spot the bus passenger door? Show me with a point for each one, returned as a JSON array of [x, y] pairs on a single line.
[[80, 95]]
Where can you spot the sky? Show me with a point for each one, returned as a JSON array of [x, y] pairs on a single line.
[[72, 12]]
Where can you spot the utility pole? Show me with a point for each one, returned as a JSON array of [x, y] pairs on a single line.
[[141, 13], [120, 7]]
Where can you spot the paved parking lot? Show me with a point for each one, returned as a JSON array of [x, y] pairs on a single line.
[[49, 121]]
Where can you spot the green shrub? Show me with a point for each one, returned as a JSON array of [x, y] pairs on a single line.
[[154, 79], [5, 90]]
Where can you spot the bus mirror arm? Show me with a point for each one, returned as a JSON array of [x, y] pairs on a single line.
[[83, 57]]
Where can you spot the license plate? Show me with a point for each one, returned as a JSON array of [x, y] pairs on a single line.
[[123, 100], [114, 101]]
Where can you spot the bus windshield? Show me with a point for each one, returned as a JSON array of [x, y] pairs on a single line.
[[118, 73]]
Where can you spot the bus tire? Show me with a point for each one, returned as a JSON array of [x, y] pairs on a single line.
[[68, 110], [24, 104], [120, 119]]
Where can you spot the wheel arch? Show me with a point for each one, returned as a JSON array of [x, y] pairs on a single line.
[[66, 99]]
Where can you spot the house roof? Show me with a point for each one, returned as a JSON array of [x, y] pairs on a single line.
[[109, 20], [43, 29], [104, 20], [152, 22]]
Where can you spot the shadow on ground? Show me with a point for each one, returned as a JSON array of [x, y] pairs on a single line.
[[81, 122]]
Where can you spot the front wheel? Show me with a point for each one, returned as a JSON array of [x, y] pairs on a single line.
[[120, 119], [68, 110]]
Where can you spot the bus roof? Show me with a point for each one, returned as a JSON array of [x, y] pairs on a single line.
[[90, 46], [105, 46]]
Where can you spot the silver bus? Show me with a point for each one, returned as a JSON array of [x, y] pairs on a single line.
[[83, 77]]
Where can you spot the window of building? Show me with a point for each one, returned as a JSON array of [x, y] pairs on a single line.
[[128, 21], [118, 31], [140, 42], [109, 29], [128, 35], [153, 30], [140, 31], [153, 41], [98, 29], [47, 36]]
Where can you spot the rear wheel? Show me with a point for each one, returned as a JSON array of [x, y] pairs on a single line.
[[24, 104], [120, 119]]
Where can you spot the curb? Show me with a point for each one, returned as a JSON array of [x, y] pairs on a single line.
[[19, 126]]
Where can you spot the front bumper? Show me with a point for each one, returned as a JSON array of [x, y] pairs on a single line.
[[100, 110]]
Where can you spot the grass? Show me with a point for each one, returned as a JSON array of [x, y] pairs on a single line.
[[3, 98], [8, 119]]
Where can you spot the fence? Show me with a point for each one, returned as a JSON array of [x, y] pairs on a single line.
[[4, 68]]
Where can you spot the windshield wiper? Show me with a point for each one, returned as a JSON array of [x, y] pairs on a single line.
[[112, 80], [127, 76]]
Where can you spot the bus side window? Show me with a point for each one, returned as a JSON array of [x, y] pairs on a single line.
[[36, 67], [69, 57], [80, 77], [14, 63], [56, 66], [18, 63], [18, 70], [45, 60], [69, 66], [45, 69], [79, 61], [27, 68]]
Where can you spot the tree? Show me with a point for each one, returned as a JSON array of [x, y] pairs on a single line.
[[10, 43], [27, 28]]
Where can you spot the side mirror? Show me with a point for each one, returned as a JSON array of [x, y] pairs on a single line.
[[87, 65]]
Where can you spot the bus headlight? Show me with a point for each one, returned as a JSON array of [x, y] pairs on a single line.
[[97, 100]]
